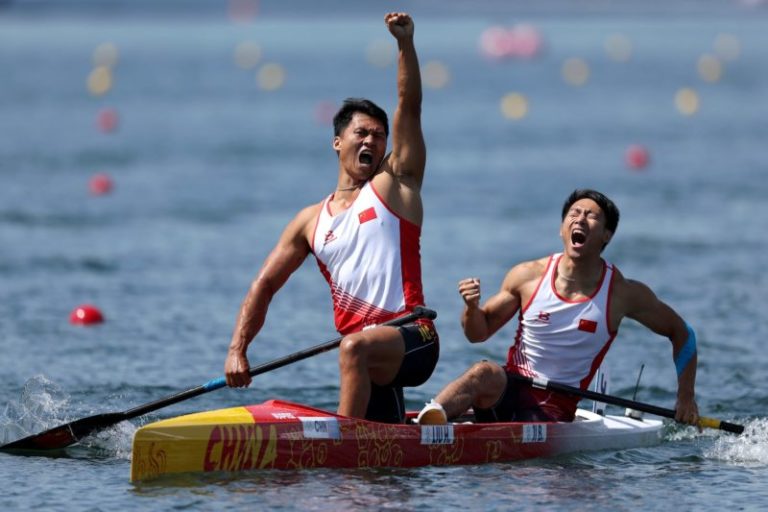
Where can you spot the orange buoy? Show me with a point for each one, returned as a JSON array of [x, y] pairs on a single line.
[[86, 314]]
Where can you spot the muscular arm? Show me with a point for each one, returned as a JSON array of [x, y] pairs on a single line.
[[643, 305], [480, 323], [290, 251], [408, 157]]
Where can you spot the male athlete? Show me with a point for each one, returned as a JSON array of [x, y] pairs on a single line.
[[569, 308], [365, 237]]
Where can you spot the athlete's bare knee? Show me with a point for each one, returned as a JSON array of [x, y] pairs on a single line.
[[352, 352], [484, 371], [487, 381]]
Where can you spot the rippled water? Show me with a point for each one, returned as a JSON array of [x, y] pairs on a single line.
[[208, 168]]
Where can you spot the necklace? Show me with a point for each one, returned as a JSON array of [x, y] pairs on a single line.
[[568, 279], [354, 187]]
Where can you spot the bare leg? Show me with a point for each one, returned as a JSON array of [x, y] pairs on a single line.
[[371, 355], [480, 386]]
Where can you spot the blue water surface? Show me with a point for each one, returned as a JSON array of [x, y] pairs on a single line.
[[208, 167]]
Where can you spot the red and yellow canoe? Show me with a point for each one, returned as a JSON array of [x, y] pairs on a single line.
[[285, 435]]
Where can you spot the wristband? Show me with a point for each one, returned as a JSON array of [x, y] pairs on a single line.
[[687, 352]]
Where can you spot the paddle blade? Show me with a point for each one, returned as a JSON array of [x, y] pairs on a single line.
[[60, 437]]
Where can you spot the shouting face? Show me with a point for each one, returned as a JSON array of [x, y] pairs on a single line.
[[583, 229], [361, 146]]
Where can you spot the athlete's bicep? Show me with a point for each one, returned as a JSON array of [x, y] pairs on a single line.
[[645, 307], [499, 310], [288, 254], [409, 153]]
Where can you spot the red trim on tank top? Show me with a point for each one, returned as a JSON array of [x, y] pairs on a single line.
[[596, 362], [333, 194], [393, 212], [612, 332], [317, 223], [538, 286], [410, 254], [569, 301]]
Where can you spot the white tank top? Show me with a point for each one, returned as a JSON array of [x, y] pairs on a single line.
[[371, 259], [560, 339]]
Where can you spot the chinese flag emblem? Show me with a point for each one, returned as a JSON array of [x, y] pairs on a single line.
[[366, 215], [587, 325]]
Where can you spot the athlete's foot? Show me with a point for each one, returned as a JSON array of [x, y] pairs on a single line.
[[432, 414]]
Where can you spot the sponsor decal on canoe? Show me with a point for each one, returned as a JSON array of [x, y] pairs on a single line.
[[320, 427], [240, 447], [437, 434], [534, 433]]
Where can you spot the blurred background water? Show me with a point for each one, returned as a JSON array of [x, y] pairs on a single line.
[[210, 122]]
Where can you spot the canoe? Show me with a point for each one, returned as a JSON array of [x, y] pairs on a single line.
[[283, 435]]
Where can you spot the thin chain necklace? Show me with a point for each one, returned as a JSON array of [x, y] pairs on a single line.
[[354, 187]]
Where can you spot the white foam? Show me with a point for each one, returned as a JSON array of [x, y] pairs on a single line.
[[42, 405], [115, 441], [751, 447]]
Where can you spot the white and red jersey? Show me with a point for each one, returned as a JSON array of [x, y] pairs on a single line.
[[560, 339], [371, 259]]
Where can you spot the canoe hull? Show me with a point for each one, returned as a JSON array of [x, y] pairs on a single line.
[[284, 435]]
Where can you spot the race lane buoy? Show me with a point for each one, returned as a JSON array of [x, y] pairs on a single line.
[[86, 314], [100, 184], [637, 157], [107, 120]]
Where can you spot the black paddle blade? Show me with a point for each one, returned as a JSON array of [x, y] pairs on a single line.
[[60, 437]]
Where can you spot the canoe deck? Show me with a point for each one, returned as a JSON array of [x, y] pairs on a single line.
[[283, 435]]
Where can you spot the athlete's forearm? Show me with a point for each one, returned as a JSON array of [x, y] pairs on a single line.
[[475, 324], [685, 354], [408, 78], [251, 317]]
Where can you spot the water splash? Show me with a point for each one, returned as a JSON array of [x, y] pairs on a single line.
[[751, 447], [42, 405], [114, 442]]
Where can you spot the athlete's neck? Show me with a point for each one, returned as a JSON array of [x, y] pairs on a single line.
[[347, 189], [579, 276]]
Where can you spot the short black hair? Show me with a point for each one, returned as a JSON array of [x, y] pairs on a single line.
[[609, 208], [354, 105]]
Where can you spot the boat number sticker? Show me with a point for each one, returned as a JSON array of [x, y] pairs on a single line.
[[534, 433], [320, 428], [437, 434]]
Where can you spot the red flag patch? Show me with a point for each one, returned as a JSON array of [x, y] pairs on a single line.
[[366, 215], [587, 325]]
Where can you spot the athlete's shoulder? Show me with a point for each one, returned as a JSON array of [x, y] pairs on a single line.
[[308, 214], [630, 294], [303, 224], [525, 272], [533, 268]]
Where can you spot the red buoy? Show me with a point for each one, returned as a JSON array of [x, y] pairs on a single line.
[[100, 184], [107, 120], [86, 314], [636, 157]]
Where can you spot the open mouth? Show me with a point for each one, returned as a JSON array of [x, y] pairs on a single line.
[[365, 158], [578, 238]]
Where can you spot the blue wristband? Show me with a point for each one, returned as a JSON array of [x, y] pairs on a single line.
[[687, 352]]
